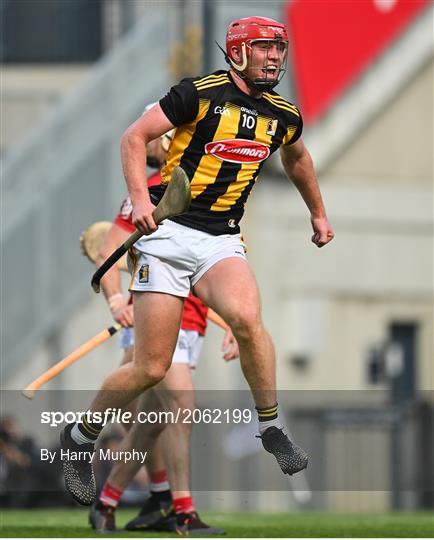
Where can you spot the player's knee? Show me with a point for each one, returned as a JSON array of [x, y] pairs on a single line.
[[149, 374], [155, 373], [183, 400], [150, 367], [246, 323], [153, 429]]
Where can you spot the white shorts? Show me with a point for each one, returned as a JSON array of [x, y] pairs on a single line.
[[174, 258], [187, 349]]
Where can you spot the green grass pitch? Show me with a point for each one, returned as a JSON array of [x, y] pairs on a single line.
[[73, 523]]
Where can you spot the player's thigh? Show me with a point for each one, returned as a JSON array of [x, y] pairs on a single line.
[[157, 318], [127, 344], [141, 428], [176, 390], [177, 386], [149, 401], [229, 287]]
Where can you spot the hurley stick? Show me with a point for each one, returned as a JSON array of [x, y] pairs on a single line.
[[92, 343], [175, 201], [216, 319]]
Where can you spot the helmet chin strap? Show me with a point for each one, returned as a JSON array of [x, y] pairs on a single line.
[[260, 85], [243, 65], [264, 84], [228, 59]]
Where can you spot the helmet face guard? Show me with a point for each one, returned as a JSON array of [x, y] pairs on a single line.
[[267, 80], [267, 33]]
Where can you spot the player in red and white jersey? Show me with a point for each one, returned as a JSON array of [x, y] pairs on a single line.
[[169, 483]]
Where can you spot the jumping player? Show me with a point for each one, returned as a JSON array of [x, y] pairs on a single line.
[[228, 123], [170, 506]]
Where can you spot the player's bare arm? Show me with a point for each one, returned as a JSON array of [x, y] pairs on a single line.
[[111, 282], [148, 127], [298, 166]]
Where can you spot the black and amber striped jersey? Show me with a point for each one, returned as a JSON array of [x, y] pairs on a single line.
[[222, 140]]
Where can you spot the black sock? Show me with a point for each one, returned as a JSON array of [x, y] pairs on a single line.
[[162, 495]]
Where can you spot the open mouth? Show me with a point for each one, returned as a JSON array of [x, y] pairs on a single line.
[[270, 71]]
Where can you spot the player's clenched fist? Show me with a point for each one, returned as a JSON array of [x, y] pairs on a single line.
[[142, 217], [322, 231]]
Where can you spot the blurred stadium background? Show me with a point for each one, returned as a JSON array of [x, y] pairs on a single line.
[[353, 323]]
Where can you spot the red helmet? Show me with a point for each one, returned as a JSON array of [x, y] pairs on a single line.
[[243, 32]]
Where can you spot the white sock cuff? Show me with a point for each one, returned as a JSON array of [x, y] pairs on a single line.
[[161, 486], [78, 436], [265, 425], [108, 501]]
